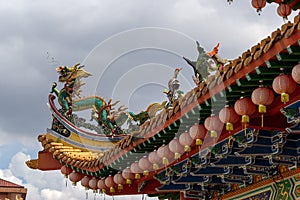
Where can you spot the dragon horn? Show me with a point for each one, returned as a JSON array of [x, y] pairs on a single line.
[[75, 66], [123, 107], [113, 104], [109, 101]]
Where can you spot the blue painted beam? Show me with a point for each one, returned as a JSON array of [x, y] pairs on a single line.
[[233, 161], [259, 150], [190, 179], [172, 187], [211, 171]]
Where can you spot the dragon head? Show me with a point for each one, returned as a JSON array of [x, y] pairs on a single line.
[[67, 74]]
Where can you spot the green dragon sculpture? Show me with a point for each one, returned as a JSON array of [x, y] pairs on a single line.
[[71, 77], [103, 112]]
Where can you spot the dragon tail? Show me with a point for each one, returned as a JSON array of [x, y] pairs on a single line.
[[54, 90]]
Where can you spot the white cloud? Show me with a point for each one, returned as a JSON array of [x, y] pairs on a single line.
[[48, 185], [7, 175]]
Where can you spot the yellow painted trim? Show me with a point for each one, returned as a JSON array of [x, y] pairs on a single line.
[[81, 140]]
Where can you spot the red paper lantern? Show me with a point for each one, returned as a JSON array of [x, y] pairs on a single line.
[[258, 5], [75, 177], [85, 181], [214, 125], [176, 148], [244, 107], [284, 85], [145, 165], [186, 140], [165, 154], [284, 10], [101, 185], [228, 116], [109, 182], [93, 183], [66, 170], [155, 160], [134, 168], [119, 180], [296, 73], [262, 97], [198, 133], [128, 175]]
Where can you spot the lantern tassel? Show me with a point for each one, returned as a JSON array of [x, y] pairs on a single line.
[[245, 120], [245, 129], [262, 109], [187, 148], [177, 156], [111, 189], [284, 97], [213, 134], [146, 173], [229, 126], [137, 176], [199, 143], [165, 161], [120, 187]]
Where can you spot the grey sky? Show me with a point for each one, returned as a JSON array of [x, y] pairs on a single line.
[[71, 30]]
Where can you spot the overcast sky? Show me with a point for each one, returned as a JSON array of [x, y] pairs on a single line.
[[131, 47]]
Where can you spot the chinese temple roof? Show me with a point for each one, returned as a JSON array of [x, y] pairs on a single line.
[[261, 62], [239, 158]]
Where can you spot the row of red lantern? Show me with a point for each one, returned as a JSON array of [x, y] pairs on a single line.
[[109, 183], [244, 107], [154, 161], [166, 154], [283, 10]]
